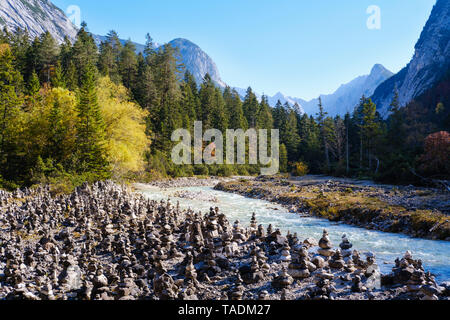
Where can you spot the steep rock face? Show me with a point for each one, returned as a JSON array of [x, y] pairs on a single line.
[[37, 16], [428, 65], [196, 61]]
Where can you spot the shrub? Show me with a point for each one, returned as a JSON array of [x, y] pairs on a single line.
[[300, 169], [201, 170]]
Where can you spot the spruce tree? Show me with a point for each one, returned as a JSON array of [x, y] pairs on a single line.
[[291, 136], [251, 108], [90, 129], [264, 118], [84, 53], [10, 102], [283, 159], [128, 64], [237, 118], [33, 85], [47, 55], [58, 80], [321, 115]]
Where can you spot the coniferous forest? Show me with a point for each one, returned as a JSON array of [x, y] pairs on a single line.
[[76, 112]]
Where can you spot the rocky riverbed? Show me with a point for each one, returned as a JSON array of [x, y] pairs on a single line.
[[104, 242], [418, 212]]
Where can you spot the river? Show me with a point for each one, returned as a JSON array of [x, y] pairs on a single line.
[[386, 246]]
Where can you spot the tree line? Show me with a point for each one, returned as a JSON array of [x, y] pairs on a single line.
[[80, 111]]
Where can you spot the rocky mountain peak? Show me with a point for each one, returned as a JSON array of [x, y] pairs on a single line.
[[430, 61], [37, 16], [197, 61]]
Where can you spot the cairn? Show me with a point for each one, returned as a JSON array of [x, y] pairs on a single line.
[[325, 245], [103, 242], [345, 247], [284, 280]]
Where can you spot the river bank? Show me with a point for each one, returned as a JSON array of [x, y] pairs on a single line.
[[104, 242], [417, 212]]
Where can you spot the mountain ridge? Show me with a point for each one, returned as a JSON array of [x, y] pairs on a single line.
[[37, 16], [428, 65]]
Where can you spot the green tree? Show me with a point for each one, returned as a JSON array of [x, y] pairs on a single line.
[[47, 55], [33, 85], [90, 129], [251, 108], [396, 125], [128, 64], [236, 113], [321, 116], [10, 102], [84, 53], [264, 117], [58, 80], [283, 159], [291, 136]]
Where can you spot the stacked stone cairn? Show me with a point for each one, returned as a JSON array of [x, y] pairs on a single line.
[[104, 242]]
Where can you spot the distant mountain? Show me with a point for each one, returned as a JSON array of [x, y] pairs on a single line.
[[347, 97], [283, 99], [428, 65], [344, 99], [139, 47], [37, 16]]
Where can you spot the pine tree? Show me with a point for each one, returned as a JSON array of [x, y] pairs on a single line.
[[347, 142], [56, 134], [207, 101], [145, 91], [71, 77], [236, 113], [264, 118], [107, 64], [280, 119], [47, 55], [58, 80], [65, 54], [10, 102], [19, 42], [291, 136], [190, 102], [128, 64], [149, 49], [84, 53], [321, 122], [283, 158], [33, 85], [251, 108], [219, 116], [369, 127], [90, 129], [396, 127]]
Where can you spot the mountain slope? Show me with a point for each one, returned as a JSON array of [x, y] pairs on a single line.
[[428, 65], [37, 16], [196, 61]]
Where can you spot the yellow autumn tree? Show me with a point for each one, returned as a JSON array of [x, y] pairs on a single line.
[[125, 130], [50, 126]]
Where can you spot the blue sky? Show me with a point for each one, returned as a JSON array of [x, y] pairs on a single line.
[[302, 48]]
